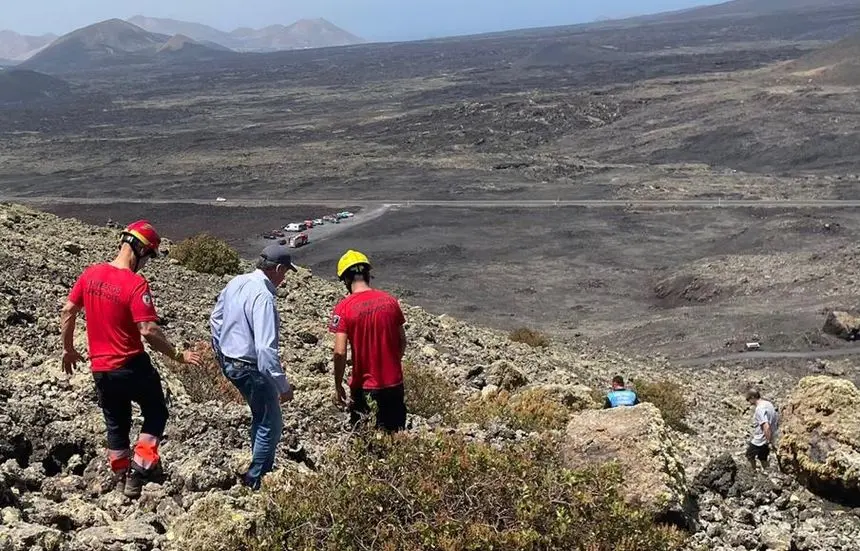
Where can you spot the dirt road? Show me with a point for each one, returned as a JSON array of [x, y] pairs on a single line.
[[504, 204], [318, 234], [762, 355]]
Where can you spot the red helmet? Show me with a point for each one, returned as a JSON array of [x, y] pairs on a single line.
[[143, 232]]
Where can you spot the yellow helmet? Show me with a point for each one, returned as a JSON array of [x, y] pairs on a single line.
[[349, 259]]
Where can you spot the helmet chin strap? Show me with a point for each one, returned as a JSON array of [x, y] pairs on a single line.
[[132, 242]]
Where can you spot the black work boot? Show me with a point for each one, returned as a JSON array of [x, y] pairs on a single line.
[[118, 480], [135, 480]]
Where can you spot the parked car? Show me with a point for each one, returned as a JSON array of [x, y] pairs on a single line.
[[294, 227], [309, 224], [331, 219], [318, 222], [299, 240], [345, 214], [267, 236], [220, 199]]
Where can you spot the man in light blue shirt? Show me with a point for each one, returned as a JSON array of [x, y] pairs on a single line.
[[620, 396], [245, 339]]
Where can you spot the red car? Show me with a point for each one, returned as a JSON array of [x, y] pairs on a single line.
[[299, 240]]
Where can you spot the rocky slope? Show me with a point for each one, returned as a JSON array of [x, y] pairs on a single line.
[[110, 41], [14, 46], [55, 491], [305, 33], [838, 64], [18, 86]]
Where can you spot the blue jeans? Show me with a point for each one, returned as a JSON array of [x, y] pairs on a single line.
[[266, 421]]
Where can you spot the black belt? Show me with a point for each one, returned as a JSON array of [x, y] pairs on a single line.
[[242, 363], [223, 359]]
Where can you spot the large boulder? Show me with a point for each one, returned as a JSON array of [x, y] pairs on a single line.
[[717, 476], [639, 440], [842, 325], [820, 437], [129, 534], [22, 536]]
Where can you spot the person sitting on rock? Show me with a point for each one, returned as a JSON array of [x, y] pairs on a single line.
[[372, 323], [764, 429], [245, 336], [119, 311], [620, 395]]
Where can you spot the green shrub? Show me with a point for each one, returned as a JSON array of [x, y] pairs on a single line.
[[408, 493], [533, 338], [206, 254], [532, 410], [668, 397], [429, 393], [207, 382]]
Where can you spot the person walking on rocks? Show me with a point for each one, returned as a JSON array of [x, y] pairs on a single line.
[[245, 329], [119, 311], [620, 395], [372, 323], [764, 430]]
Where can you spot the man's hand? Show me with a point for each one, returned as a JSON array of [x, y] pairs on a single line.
[[70, 359], [191, 357], [340, 396], [288, 395]]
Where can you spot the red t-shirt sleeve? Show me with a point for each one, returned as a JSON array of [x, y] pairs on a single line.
[[76, 295], [339, 322], [142, 306]]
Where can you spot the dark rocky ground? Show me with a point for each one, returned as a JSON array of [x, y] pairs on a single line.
[[539, 114], [55, 492], [679, 109], [679, 282]]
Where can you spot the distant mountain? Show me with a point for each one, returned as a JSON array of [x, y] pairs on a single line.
[[18, 86], [837, 64], [118, 42], [18, 47], [739, 8], [181, 46], [94, 46], [306, 33], [195, 31]]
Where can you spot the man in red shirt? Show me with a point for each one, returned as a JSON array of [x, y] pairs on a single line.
[[372, 322], [119, 311]]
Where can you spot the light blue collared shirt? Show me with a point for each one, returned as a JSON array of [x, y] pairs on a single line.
[[245, 325]]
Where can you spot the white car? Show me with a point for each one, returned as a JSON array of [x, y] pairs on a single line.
[[295, 227], [318, 222], [220, 199]]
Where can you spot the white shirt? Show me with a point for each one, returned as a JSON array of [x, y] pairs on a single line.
[[764, 413], [245, 325]]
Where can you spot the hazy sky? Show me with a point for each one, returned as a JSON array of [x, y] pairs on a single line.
[[371, 19]]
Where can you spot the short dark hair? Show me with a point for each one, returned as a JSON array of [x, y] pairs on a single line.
[[753, 394], [359, 271], [266, 265], [618, 380]]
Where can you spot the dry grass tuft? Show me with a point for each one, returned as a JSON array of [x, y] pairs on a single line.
[[411, 493], [205, 383], [533, 338]]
